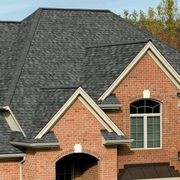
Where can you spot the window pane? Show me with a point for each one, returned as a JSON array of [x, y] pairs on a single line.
[[145, 106], [137, 132], [153, 131], [149, 110], [156, 109]]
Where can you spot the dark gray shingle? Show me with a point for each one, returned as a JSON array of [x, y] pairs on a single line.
[[55, 48]]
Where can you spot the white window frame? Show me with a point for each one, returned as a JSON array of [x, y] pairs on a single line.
[[145, 128]]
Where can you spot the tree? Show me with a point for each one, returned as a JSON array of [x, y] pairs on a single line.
[[162, 22]]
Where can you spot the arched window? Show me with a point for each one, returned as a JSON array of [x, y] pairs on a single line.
[[145, 117]]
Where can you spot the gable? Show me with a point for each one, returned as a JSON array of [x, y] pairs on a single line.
[[78, 124], [156, 57], [81, 95]]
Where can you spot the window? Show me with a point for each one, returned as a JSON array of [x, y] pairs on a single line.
[[145, 124]]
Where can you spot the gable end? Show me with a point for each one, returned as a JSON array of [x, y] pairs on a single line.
[[157, 57]]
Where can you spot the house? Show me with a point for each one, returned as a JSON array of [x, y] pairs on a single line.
[[87, 96]]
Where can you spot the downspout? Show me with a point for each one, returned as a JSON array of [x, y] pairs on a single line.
[[21, 168]]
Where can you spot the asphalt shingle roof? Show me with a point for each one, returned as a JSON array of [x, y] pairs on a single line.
[[5, 137], [54, 50]]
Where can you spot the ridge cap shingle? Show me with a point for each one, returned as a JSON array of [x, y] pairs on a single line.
[[75, 9]]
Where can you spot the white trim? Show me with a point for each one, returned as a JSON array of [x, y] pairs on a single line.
[[79, 92], [3, 156], [145, 131], [14, 126], [116, 142], [35, 145], [165, 69], [162, 62], [94, 114], [110, 106]]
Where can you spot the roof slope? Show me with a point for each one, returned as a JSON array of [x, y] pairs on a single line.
[[51, 50], [8, 32], [104, 64], [5, 137]]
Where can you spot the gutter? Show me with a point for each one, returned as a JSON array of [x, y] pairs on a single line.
[[35, 145], [110, 106], [8, 156], [117, 142]]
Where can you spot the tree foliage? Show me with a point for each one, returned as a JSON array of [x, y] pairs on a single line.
[[162, 22]]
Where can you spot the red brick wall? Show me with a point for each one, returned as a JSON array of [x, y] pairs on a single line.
[[9, 170], [77, 126], [147, 75]]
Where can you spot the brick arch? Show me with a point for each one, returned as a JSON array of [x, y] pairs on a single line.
[[71, 151], [154, 98], [78, 170]]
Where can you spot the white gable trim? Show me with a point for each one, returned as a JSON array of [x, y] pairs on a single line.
[[157, 57], [12, 121], [90, 104]]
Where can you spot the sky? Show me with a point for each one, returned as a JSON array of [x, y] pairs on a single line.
[[16, 10]]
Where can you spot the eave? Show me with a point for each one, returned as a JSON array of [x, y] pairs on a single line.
[[35, 145], [110, 106], [116, 142], [12, 156]]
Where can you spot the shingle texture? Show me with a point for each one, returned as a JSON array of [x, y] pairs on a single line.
[[47, 138], [48, 55], [111, 99], [112, 136], [5, 137]]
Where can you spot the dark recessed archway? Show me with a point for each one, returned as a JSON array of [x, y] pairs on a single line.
[[77, 166]]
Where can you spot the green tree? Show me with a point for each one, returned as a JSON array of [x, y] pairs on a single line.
[[162, 22]]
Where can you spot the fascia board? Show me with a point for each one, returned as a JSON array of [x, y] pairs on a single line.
[[35, 145], [7, 108], [148, 46], [5, 156], [110, 106], [116, 142], [95, 107], [101, 113]]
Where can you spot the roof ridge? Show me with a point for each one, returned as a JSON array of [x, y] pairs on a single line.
[[9, 21], [22, 59], [75, 9], [118, 44]]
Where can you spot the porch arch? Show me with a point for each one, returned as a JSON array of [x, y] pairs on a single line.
[[76, 166]]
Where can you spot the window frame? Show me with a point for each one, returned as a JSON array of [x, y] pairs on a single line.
[[144, 116]]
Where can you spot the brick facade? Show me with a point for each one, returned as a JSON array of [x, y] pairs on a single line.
[[147, 75], [9, 170], [79, 126]]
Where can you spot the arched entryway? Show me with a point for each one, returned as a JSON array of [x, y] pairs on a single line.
[[77, 166]]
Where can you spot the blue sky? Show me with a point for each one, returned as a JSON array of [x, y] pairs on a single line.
[[16, 10]]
